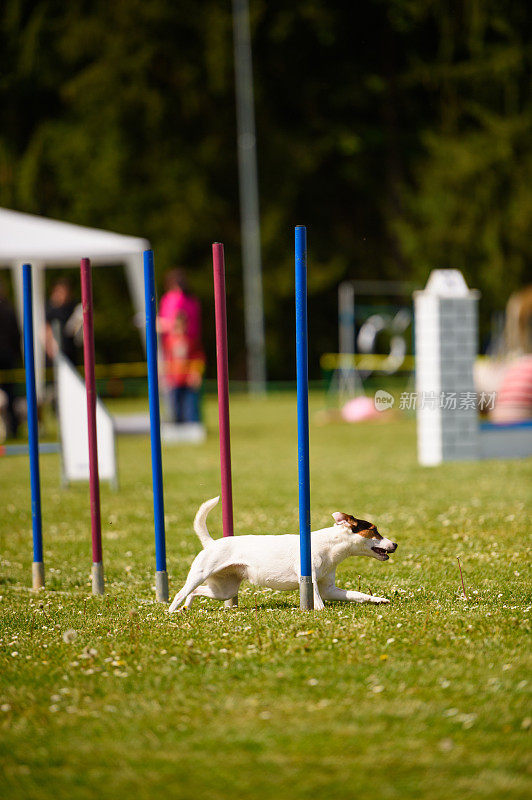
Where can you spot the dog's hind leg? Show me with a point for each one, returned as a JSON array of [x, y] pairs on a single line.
[[216, 588], [335, 593], [201, 591]]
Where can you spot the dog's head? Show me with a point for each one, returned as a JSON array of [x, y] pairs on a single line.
[[366, 537]]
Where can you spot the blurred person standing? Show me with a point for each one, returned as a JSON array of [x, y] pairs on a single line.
[[178, 297], [183, 370], [514, 398], [179, 326], [64, 319], [10, 358]]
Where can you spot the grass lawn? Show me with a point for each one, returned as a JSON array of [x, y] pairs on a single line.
[[425, 698]]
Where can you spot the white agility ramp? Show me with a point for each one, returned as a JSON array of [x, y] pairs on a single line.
[[73, 430]]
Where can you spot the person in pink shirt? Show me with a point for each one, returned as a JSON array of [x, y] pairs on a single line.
[[178, 297], [178, 304]]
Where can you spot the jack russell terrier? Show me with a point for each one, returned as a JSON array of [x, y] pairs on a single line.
[[273, 561]]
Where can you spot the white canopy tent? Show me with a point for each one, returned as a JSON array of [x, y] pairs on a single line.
[[44, 243]]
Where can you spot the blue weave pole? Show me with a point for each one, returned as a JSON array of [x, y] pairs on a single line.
[[33, 430], [161, 575], [306, 595]]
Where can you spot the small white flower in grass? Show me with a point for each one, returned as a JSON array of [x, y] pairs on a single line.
[[53, 708], [399, 625], [5, 707], [526, 723], [223, 650], [446, 745], [313, 681], [55, 698], [377, 689], [450, 712], [14, 654], [391, 640], [445, 683], [70, 636]]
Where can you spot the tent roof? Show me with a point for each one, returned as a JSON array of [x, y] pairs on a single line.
[[26, 237]]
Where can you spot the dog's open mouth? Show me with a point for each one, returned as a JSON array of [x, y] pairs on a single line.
[[381, 553]]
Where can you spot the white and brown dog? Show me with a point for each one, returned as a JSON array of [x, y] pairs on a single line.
[[273, 561]]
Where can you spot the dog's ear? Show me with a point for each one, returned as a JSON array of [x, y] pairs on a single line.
[[344, 519]]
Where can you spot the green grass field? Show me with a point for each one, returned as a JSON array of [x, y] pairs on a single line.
[[425, 698]]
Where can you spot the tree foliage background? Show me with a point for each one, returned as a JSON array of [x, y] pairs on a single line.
[[399, 131]]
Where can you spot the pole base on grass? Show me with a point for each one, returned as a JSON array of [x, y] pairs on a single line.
[[161, 586], [306, 593], [97, 578], [232, 602], [37, 575]]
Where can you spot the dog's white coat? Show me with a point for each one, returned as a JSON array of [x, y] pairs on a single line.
[[273, 562]]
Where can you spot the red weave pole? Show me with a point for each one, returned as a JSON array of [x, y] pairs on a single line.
[[223, 386], [90, 386]]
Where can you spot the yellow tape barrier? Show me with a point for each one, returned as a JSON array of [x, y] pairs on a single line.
[[133, 369], [362, 361]]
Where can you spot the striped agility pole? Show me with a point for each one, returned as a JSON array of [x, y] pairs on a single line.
[[90, 387], [222, 372], [161, 575], [306, 594], [37, 569]]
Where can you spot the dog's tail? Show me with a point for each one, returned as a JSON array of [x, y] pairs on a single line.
[[200, 521]]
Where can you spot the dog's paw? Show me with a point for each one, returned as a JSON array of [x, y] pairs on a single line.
[[379, 601]]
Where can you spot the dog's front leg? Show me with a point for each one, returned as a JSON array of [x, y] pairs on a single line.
[[318, 602], [335, 593]]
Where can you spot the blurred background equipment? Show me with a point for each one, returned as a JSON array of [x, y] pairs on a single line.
[[73, 433], [374, 337], [446, 344], [447, 400], [49, 243]]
